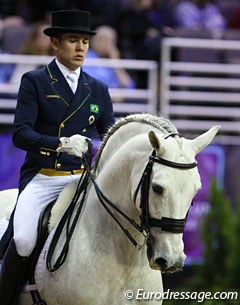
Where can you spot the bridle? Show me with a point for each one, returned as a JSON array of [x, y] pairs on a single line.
[[165, 223], [146, 222]]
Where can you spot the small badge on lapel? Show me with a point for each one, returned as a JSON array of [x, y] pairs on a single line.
[[91, 119], [94, 108]]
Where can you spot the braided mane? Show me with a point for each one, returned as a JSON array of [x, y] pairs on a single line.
[[158, 122]]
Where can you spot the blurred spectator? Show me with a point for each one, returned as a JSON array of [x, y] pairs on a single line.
[[5, 72], [8, 22], [11, 21], [104, 45], [36, 43], [142, 26], [200, 14]]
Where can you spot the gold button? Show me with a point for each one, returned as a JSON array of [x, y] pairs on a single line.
[[48, 153], [84, 130], [62, 125], [82, 166], [59, 165]]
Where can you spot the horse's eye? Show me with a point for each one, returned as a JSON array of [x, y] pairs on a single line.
[[157, 188]]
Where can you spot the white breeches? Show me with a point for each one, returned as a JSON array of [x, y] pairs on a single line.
[[39, 192]]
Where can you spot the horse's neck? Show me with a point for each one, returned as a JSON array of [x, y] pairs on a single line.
[[117, 181], [124, 134]]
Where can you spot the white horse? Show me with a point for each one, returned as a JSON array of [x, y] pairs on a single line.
[[102, 264]]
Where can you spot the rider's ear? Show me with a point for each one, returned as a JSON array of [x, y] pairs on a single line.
[[205, 139], [156, 143]]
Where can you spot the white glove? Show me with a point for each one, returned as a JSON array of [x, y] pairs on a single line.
[[76, 145]]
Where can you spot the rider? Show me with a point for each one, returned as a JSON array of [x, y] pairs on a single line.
[[53, 124]]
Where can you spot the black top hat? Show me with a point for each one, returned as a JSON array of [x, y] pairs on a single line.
[[73, 21]]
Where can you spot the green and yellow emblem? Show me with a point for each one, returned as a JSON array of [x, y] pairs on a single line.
[[94, 108]]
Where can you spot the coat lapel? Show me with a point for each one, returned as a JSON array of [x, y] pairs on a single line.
[[59, 84]]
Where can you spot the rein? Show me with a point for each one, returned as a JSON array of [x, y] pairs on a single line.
[[70, 224], [166, 224]]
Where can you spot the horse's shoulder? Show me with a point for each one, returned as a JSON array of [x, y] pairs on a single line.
[[9, 195], [8, 199]]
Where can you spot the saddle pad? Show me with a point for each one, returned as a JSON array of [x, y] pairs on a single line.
[[41, 272]]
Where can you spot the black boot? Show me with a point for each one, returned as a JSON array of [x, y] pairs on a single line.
[[12, 275]]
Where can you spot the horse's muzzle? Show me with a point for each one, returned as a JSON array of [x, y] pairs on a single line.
[[161, 263]]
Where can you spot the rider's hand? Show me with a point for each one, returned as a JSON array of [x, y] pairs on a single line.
[[76, 145]]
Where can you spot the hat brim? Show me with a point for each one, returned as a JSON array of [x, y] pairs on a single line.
[[58, 30]]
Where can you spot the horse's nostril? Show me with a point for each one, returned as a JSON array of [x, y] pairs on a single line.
[[161, 262]]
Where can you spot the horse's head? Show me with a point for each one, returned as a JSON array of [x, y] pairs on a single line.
[[165, 194]]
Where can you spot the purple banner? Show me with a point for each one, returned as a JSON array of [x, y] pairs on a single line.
[[11, 159], [211, 164]]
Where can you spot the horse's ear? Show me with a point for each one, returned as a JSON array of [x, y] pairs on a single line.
[[205, 139], [156, 143]]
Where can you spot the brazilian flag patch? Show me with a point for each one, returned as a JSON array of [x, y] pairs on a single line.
[[94, 108]]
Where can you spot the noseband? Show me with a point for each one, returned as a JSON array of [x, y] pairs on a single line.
[[166, 224]]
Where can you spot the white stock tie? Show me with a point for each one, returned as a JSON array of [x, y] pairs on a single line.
[[73, 80]]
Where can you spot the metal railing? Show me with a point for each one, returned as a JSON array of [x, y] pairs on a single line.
[[197, 95], [131, 100]]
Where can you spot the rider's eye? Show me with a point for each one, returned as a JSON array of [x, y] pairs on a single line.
[[157, 188]]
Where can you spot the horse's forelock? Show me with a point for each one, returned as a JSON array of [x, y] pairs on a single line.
[[162, 124]]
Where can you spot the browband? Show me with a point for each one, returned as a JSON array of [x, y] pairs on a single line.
[[173, 164]]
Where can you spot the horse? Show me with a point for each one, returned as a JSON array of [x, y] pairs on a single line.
[[148, 176]]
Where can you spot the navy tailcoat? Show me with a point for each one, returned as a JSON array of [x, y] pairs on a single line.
[[47, 109]]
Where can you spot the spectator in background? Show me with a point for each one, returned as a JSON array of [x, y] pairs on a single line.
[[11, 21], [6, 71], [200, 14], [36, 43], [104, 45], [5, 68], [142, 26]]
